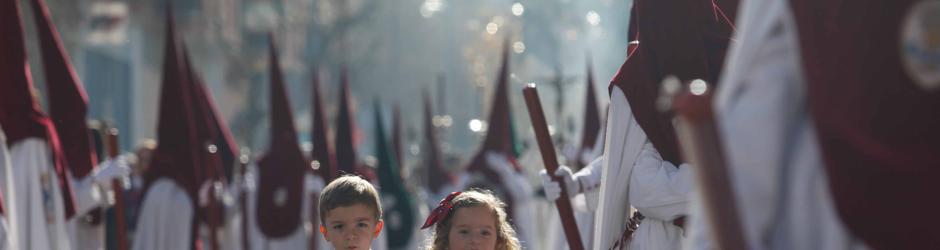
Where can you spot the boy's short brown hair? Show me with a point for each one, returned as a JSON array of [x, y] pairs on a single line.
[[347, 191]]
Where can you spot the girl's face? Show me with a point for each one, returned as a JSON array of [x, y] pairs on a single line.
[[473, 228]]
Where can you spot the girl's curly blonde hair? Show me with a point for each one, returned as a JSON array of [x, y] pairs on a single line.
[[505, 236]]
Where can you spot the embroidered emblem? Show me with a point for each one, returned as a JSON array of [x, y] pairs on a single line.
[[920, 44]]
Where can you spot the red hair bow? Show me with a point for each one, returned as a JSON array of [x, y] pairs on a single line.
[[441, 211]]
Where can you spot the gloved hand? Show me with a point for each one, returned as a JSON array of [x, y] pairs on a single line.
[[114, 168], [208, 190], [649, 155], [553, 189]]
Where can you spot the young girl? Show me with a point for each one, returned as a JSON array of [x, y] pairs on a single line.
[[474, 219]]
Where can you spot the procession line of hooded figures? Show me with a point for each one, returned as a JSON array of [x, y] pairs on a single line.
[[827, 114]]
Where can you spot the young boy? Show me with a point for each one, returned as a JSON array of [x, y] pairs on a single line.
[[350, 213]]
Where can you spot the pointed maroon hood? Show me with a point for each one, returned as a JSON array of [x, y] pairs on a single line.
[[498, 138], [322, 149], [345, 128], [592, 118], [206, 126], [176, 156], [396, 138], [433, 161], [68, 104], [211, 126], [20, 115], [227, 148], [498, 134], [282, 168], [689, 48]]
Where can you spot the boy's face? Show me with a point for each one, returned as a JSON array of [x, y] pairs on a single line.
[[351, 227], [473, 228]]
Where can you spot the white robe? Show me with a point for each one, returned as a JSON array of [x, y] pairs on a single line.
[[37, 223], [654, 187], [432, 199], [299, 238], [518, 189], [165, 219], [7, 238], [772, 152]]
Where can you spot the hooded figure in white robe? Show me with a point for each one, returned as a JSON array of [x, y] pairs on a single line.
[[68, 107], [38, 192], [167, 216], [795, 90], [494, 164], [640, 168], [777, 177], [308, 222], [282, 190]]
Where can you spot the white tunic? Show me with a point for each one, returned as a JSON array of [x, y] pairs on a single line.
[[165, 219], [773, 157], [35, 209], [634, 174], [518, 189]]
